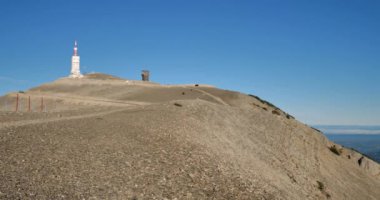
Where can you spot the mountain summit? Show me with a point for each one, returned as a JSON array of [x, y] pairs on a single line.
[[104, 137]]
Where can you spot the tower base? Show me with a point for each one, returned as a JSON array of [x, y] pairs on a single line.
[[76, 76]]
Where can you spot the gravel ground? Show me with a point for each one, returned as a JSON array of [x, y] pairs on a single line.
[[109, 138], [114, 156]]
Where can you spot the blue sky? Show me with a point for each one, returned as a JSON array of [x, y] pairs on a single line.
[[318, 60]]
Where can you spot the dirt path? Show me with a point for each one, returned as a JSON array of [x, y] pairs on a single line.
[[212, 96], [90, 100], [40, 121]]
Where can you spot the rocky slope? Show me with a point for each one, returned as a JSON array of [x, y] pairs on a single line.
[[103, 137]]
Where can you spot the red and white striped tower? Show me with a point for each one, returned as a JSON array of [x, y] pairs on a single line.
[[75, 48], [75, 67]]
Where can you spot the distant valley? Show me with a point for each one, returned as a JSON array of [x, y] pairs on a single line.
[[365, 139]]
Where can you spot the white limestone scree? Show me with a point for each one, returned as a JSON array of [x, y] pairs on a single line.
[[75, 66]]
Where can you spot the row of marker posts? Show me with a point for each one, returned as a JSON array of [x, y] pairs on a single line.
[[18, 104]]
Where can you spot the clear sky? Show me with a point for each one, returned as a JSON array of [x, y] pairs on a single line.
[[318, 59]]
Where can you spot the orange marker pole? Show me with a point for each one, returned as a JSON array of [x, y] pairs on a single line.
[[17, 102], [29, 104], [42, 104]]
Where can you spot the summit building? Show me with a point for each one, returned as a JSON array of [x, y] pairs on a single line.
[[75, 66]]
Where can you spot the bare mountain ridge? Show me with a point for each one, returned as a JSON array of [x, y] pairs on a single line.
[[105, 137]]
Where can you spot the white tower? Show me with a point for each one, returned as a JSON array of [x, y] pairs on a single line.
[[75, 70]]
